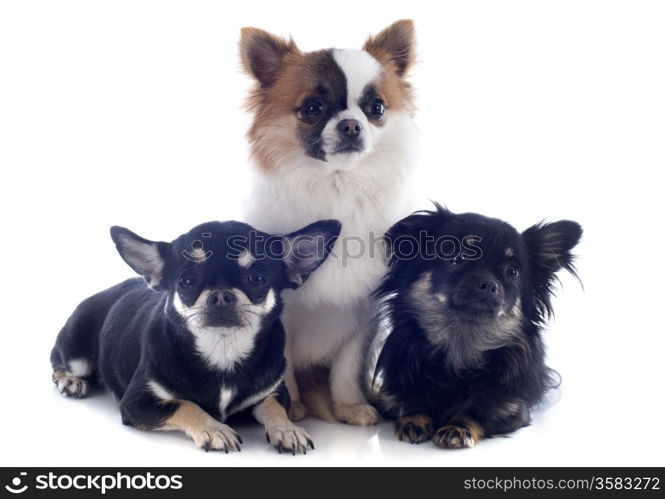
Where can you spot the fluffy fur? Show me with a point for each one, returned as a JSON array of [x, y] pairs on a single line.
[[205, 342], [332, 137], [466, 299]]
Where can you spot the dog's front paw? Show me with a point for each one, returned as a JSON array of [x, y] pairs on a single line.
[[454, 437], [289, 438], [357, 414], [414, 429], [297, 410], [216, 436], [70, 385]]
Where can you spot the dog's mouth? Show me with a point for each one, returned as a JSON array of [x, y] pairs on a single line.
[[349, 148], [476, 311], [225, 319]]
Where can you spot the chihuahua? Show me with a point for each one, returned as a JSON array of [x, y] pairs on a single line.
[[465, 299], [203, 339], [332, 136]]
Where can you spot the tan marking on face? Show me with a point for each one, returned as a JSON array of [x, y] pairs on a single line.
[[516, 309], [471, 240], [245, 259], [395, 91], [273, 135], [510, 252], [198, 254], [423, 286]]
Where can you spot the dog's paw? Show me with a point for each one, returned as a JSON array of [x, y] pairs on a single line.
[[297, 410], [70, 385], [289, 438], [414, 429], [454, 437], [216, 436], [357, 414]]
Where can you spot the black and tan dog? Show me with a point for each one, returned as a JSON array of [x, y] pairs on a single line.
[[205, 342], [466, 298]]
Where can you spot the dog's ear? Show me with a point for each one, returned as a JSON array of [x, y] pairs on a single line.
[[262, 54], [146, 258], [394, 45], [406, 236], [549, 246], [307, 248]]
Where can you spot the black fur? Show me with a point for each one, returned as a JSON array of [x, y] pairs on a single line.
[[465, 345], [131, 334]]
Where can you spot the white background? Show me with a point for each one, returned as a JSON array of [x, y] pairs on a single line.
[[129, 112]]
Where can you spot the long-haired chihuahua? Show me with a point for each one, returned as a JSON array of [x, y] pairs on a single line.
[[331, 137], [466, 299]]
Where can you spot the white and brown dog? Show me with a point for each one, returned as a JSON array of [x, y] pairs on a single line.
[[332, 137]]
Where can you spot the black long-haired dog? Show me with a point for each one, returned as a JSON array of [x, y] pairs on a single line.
[[466, 298]]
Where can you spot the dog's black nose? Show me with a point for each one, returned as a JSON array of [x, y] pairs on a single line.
[[221, 298], [349, 128], [488, 286]]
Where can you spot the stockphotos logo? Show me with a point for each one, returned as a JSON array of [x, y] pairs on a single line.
[[96, 483], [17, 486]]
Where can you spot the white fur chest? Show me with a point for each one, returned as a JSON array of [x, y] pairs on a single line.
[[358, 258], [366, 198]]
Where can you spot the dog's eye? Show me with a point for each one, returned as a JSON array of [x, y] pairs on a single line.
[[187, 281], [512, 272], [257, 278], [311, 109], [375, 109]]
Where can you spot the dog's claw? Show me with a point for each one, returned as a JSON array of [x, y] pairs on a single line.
[[289, 439], [414, 429], [216, 436]]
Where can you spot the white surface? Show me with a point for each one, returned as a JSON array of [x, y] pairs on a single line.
[[129, 113]]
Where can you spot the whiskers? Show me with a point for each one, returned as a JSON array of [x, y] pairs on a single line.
[[222, 347], [314, 143], [195, 319], [192, 314], [248, 310]]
